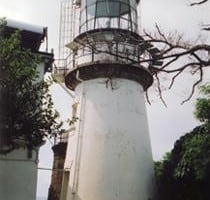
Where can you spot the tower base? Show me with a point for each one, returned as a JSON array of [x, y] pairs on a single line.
[[110, 153]]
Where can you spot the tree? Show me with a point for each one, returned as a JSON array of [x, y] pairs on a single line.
[[179, 56], [185, 172], [26, 106]]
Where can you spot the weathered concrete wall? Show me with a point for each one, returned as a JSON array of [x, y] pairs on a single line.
[[18, 175], [109, 153], [59, 151]]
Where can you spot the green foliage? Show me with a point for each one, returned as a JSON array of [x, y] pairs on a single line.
[[26, 106], [184, 174], [203, 105]]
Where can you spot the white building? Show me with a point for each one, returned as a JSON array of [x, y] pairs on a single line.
[[18, 170]]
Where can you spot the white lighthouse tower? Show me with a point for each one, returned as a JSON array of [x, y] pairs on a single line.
[[109, 153]]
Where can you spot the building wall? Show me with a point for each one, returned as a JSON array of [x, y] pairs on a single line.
[[59, 151], [109, 154], [18, 175], [18, 171]]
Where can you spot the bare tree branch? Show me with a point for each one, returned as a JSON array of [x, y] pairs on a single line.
[[160, 90], [174, 77], [194, 85], [173, 50], [198, 3], [170, 49]]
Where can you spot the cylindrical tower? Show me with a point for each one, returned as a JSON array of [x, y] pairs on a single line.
[[109, 153]]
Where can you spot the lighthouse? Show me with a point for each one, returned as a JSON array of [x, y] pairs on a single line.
[[108, 155]]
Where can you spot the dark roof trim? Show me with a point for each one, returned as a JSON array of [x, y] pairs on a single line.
[[31, 36]]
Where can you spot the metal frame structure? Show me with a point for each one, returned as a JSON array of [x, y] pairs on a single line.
[[65, 31]]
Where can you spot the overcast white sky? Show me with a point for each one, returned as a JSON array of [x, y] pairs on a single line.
[[166, 124]]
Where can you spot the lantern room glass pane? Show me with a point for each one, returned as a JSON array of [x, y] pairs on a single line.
[[111, 9], [124, 1], [133, 3], [114, 9], [91, 11], [101, 9], [124, 9], [89, 2]]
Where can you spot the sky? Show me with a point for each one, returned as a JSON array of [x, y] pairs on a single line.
[[166, 125]]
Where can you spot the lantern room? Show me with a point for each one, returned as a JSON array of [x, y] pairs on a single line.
[[97, 14], [104, 34]]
